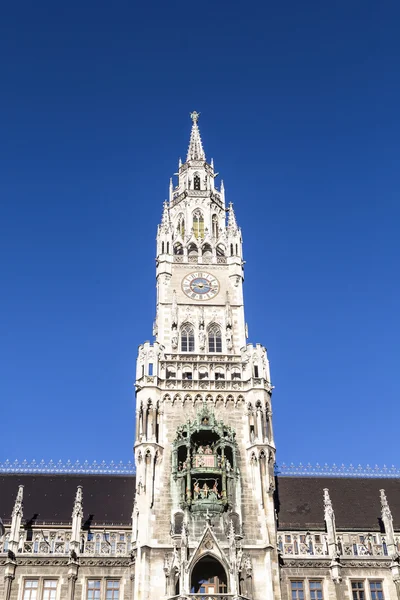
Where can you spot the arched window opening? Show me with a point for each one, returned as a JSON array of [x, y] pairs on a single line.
[[231, 249], [214, 226], [208, 577], [171, 373], [236, 374], [207, 253], [237, 253], [220, 250], [198, 224], [162, 247], [192, 251], [187, 338], [203, 373], [219, 374], [214, 339], [181, 226], [187, 374], [178, 249], [167, 247], [196, 182]]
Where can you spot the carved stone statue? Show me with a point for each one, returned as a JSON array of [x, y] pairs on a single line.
[[174, 339], [202, 338], [229, 343]]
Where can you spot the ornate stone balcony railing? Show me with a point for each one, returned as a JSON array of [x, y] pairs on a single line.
[[218, 260], [57, 542], [206, 384], [349, 544]]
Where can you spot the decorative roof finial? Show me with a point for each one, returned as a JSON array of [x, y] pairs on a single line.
[[194, 116], [195, 150]]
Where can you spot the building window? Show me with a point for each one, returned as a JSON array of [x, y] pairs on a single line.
[[46, 591], [93, 589], [181, 225], [214, 339], [198, 224], [196, 182], [187, 339], [30, 589], [112, 590], [357, 589], [97, 588], [297, 589], [376, 589], [316, 590]]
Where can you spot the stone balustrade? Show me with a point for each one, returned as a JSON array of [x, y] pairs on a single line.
[[310, 544]]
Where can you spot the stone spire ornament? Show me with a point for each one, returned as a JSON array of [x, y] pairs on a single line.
[[195, 151], [77, 516], [232, 225], [329, 515], [165, 222], [16, 519]]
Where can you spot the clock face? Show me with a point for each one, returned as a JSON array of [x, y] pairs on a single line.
[[200, 286]]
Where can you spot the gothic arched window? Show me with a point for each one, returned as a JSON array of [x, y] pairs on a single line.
[[196, 182], [198, 224], [187, 338], [214, 223], [214, 339], [181, 226]]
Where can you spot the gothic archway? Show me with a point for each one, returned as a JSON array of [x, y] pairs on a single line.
[[208, 577]]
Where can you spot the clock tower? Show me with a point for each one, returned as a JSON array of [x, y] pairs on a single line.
[[204, 519]]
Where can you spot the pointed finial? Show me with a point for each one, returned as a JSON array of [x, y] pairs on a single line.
[[165, 222], [195, 150], [17, 509], [78, 510], [232, 225], [212, 163], [385, 505]]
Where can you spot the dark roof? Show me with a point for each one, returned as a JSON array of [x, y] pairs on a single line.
[[107, 499], [356, 502]]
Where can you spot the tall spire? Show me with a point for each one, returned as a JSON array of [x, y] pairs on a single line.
[[195, 150]]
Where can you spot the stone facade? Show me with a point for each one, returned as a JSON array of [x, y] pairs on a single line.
[[207, 519]]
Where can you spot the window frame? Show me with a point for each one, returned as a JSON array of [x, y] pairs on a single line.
[[306, 590], [189, 338], [357, 590], [214, 339], [41, 587], [104, 581], [375, 597]]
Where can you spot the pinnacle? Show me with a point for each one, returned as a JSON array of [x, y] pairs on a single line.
[[231, 218], [195, 150]]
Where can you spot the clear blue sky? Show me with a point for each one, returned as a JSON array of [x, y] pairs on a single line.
[[300, 110]]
